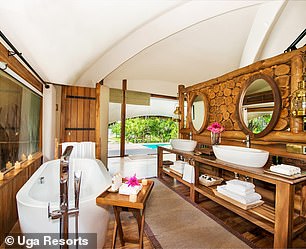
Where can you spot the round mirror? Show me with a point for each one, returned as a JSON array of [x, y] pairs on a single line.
[[198, 112], [259, 106]]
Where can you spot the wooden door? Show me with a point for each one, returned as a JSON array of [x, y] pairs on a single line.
[[78, 114]]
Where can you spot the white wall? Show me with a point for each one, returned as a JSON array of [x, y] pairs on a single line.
[[49, 123], [149, 86], [158, 107]]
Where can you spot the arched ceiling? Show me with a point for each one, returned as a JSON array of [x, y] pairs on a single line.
[[155, 44]]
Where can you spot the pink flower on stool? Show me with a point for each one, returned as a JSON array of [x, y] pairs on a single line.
[[215, 128], [133, 181]]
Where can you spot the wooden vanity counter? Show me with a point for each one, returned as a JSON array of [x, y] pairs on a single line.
[[257, 173], [279, 218]]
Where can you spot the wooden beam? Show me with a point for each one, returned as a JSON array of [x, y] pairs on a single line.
[[63, 115], [283, 215], [181, 106], [123, 117], [163, 96], [98, 135], [296, 123]]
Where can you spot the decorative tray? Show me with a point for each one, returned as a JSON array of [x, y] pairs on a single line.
[[268, 171], [207, 183], [112, 191], [237, 203], [167, 163]]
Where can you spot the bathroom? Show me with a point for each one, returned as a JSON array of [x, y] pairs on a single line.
[[55, 91]]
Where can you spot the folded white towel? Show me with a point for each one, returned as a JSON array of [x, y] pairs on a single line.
[[126, 190], [285, 169], [188, 173], [242, 199], [240, 191], [240, 186], [179, 164], [177, 169]]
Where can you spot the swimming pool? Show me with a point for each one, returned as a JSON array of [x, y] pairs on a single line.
[[154, 146]]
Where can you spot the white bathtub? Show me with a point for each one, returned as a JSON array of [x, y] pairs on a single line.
[[33, 198]]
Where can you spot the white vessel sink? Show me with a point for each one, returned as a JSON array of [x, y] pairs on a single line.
[[247, 157], [183, 144]]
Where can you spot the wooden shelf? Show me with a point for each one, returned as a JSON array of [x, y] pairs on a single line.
[[299, 225], [250, 215], [175, 176], [257, 173], [276, 215]]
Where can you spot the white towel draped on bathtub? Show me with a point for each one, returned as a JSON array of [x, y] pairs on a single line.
[[81, 150]]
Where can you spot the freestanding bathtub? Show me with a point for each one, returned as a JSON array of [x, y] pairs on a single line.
[[43, 188]]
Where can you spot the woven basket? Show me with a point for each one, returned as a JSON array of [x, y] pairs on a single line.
[[218, 180]]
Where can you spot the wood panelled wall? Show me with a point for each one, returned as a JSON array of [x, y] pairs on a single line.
[[9, 187], [78, 119], [18, 68], [223, 93], [15, 179], [79, 115]]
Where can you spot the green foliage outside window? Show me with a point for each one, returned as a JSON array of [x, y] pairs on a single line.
[[258, 124], [147, 129]]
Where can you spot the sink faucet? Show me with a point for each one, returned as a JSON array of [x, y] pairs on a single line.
[[247, 141]]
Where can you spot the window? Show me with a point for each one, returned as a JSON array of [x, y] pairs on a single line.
[[20, 110]]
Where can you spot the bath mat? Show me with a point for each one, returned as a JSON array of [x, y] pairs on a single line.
[[177, 223]]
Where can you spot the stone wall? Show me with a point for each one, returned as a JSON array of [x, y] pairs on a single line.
[[223, 95]]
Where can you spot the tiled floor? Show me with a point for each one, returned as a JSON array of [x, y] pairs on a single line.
[[144, 166], [133, 149]]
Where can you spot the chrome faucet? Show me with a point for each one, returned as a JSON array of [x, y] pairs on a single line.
[[64, 211], [247, 141]]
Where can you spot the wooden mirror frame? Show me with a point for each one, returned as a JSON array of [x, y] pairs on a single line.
[[189, 109], [185, 115], [276, 109]]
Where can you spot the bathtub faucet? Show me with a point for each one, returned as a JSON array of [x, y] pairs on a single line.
[[64, 211]]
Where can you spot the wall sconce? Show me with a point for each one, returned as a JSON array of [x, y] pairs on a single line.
[[3, 65], [177, 114], [298, 100]]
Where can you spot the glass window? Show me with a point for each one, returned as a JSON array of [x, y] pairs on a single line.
[[19, 120]]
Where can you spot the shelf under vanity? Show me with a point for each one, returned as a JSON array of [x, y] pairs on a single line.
[[283, 211]]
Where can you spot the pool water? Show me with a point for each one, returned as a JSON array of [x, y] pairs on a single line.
[[154, 146]]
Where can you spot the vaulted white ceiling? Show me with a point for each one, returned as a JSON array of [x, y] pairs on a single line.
[[154, 44]]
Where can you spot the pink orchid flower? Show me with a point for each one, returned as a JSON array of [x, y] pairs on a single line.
[[133, 181], [215, 128]]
